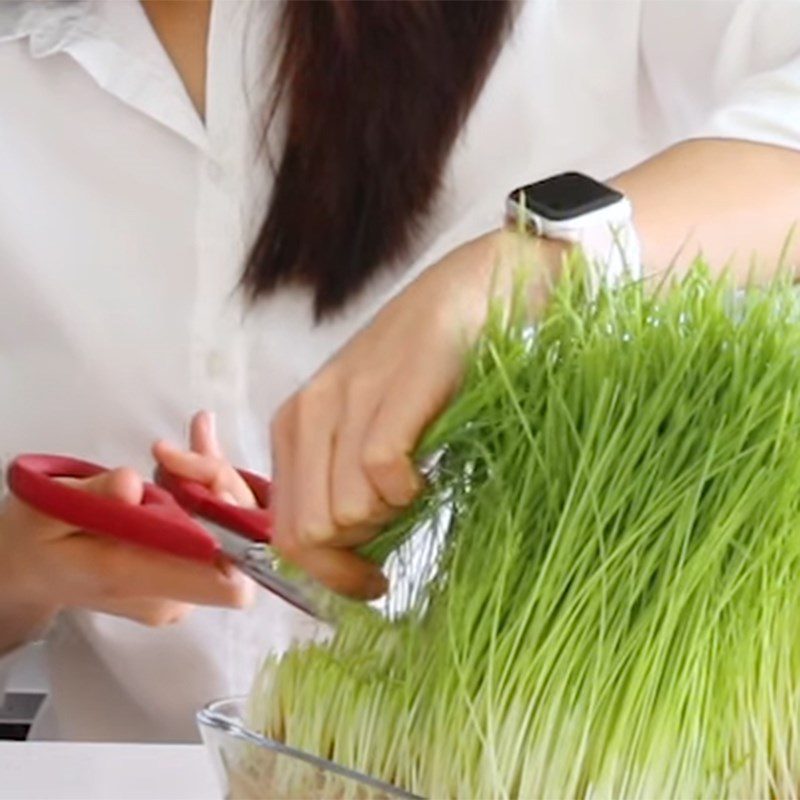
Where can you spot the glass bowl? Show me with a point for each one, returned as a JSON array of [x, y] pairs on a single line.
[[251, 767]]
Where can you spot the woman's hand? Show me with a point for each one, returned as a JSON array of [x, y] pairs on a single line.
[[342, 446], [46, 565]]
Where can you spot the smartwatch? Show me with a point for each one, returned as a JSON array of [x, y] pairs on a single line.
[[573, 207]]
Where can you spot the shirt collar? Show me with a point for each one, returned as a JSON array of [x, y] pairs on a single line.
[[98, 36], [47, 24]]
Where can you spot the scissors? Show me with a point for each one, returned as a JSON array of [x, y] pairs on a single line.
[[166, 520]]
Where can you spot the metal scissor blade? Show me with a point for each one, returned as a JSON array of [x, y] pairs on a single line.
[[256, 561], [287, 590]]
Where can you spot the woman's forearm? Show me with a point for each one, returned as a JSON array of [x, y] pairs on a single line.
[[736, 202]]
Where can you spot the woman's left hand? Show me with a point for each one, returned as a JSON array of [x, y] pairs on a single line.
[[342, 446]]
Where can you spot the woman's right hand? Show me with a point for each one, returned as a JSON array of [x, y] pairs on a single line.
[[47, 565]]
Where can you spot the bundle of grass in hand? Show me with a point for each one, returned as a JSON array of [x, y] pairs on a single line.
[[612, 609]]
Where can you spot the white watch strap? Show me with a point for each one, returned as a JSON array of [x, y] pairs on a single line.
[[612, 251], [608, 240], [606, 235]]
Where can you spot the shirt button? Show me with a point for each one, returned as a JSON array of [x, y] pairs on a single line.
[[216, 365]]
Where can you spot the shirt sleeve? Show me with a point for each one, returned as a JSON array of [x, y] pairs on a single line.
[[763, 108], [724, 70]]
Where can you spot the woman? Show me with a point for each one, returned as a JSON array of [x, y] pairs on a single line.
[[291, 212]]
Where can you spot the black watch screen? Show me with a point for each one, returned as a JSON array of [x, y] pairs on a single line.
[[565, 196]]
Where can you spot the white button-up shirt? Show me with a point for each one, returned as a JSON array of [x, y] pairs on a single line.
[[124, 220]]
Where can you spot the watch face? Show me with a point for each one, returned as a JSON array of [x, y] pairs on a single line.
[[565, 196]]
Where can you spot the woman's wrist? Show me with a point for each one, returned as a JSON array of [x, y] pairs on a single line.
[[24, 615], [534, 261], [498, 264]]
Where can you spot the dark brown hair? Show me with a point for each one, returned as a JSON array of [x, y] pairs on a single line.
[[376, 93]]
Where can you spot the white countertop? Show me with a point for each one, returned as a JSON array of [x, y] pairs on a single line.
[[77, 771]]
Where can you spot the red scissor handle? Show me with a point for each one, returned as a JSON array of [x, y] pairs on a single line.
[[158, 522], [254, 523]]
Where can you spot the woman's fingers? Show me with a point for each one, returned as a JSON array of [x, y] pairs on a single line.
[[342, 470], [65, 567], [283, 488], [105, 569], [357, 535], [340, 569], [393, 435], [311, 432], [151, 611], [186, 463], [215, 473], [122, 484], [356, 507], [203, 435], [301, 504], [327, 495]]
